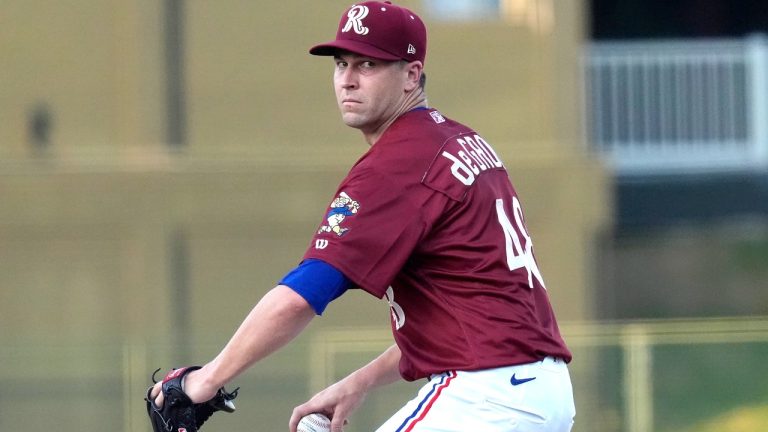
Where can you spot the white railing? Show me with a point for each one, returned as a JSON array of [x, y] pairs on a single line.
[[656, 107]]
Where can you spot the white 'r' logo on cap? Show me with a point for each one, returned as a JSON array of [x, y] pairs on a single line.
[[355, 20]]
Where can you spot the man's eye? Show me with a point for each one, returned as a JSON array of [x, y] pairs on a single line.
[[367, 64]]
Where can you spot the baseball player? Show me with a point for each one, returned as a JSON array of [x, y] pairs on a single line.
[[432, 225]]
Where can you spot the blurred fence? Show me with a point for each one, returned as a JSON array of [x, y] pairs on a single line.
[[657, 107], [629, 377]]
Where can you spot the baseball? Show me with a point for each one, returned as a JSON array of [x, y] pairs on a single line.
[[315, 422]]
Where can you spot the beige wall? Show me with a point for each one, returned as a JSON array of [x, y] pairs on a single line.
[[86, 229], [95, 64]]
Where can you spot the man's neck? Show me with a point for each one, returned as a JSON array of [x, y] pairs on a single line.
[[416, 99]]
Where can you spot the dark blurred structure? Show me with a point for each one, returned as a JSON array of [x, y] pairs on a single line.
[[40, 128], [645, 19]]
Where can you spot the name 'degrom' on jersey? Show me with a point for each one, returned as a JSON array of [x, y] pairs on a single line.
[[472, 156]]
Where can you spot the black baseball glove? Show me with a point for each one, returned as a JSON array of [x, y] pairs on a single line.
[[178, 413]]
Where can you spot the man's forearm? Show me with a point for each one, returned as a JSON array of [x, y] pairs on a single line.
[[383, 370], [275, 320]]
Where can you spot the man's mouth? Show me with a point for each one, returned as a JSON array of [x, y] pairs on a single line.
[[349, 101]]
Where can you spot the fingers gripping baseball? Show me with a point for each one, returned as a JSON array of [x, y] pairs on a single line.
[[337, 402]]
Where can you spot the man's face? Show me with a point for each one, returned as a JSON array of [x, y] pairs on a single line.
[[369, 91]]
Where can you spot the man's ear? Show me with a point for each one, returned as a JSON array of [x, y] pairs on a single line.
[[414, 70]]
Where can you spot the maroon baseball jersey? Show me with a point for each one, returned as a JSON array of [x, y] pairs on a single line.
[[429, 220]]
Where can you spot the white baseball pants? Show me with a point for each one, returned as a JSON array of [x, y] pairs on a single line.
[[534, 397]]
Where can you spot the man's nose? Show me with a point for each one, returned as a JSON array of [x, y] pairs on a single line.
[[348, 79]]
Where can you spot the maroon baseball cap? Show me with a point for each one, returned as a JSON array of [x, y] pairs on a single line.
[[379, 30]]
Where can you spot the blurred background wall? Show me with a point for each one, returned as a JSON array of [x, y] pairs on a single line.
[[163, 164]]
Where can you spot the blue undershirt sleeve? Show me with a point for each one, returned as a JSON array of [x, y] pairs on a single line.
[[317, 282]]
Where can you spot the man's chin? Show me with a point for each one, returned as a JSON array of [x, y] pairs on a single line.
[[353, 120]]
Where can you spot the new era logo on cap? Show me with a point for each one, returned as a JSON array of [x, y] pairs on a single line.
[[379, 30]]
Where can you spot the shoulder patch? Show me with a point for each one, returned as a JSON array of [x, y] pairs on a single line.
[[437, 117], [341, 207]]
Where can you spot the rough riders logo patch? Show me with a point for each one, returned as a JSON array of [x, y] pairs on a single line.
[[341, 207], [355, 20]]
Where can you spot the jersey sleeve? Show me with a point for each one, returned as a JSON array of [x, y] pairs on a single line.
[[370, 228], [317, 282]]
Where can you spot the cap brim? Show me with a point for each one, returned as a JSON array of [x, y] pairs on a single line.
[[331, 48]]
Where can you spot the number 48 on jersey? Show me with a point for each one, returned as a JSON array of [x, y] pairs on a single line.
[[519, 255]]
